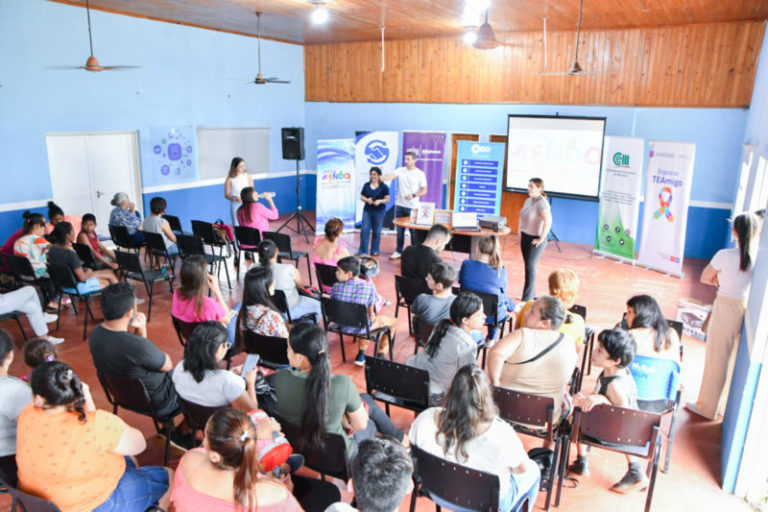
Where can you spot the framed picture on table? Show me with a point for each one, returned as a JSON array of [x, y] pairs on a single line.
[[425, 215]]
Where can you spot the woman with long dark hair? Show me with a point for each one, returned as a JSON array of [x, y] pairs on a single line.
[[318, 402], [451, 345], [223, 475], [258, 313], [79, 457], [468, 430], [731, 272], [16, 395], [288, 280], [375, 195], [33, 244], [534, 226], [650, 329], [237, 179], [252, 213], [62, 253]]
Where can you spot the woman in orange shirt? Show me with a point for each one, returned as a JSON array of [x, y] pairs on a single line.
[[79, 457]]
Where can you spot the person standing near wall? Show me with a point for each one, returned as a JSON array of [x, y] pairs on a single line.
[[375, 195], [731, 272], [237, 180], [535, 222], [411, 185]]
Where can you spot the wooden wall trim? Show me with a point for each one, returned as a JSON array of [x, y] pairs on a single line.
[[701, 65]]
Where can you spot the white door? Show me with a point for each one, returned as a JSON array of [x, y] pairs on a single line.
[[87, 169]]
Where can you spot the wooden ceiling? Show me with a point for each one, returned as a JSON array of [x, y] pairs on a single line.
[[359, 20]]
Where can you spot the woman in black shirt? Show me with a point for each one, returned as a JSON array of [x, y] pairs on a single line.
[[375, 195]]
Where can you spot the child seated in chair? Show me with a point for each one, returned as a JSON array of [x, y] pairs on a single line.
[[351, 288], [613, 352], [105, 258], [430, 309], [156, 223]]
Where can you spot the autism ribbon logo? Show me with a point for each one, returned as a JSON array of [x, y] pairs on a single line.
[[377, 152], [665, 199]]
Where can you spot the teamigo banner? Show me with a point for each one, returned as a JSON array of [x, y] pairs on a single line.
[[375, 149], [619, 197], [336, 187], [665, 213]]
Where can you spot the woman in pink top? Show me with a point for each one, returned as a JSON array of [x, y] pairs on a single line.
[[254, 214], [223, 475], [330, 249]]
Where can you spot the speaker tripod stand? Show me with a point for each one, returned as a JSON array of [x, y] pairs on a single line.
[[298, 214]]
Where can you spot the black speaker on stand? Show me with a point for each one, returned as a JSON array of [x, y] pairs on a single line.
[[293, 149]]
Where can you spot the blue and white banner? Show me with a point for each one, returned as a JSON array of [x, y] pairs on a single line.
[[336, 185], [668, 181], [375, 149], [479, 171]]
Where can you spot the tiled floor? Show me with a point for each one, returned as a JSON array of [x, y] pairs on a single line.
[[692, 481]]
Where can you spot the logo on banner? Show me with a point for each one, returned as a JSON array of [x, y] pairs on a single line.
[[477, 148], [665, 200], [620, 160], [376, 152], [336, 177]]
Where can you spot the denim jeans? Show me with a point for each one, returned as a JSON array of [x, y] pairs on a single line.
[[402, 211], [137, 490], [373, 220]]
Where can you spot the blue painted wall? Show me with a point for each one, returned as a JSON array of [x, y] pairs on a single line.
[[718, 134]]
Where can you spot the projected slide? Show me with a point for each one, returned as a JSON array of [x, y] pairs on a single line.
[[565, 152]]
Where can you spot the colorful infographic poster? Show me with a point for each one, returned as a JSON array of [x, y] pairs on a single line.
[[379, 149], [479, 171], [173, 157], [430, 150], [336, 184]]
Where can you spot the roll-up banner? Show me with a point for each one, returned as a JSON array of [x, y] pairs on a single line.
[[619, 198], [479, 170], [430, 158], [668, 181], [379, 149], [336, 183]]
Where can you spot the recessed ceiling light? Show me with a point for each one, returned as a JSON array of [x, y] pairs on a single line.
[[319, 15]]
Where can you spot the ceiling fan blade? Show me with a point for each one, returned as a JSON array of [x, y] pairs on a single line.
[[118, 68], [64, 67], [553, 73], [276, 81]]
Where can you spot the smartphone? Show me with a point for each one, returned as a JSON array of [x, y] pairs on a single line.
[[250, 363]]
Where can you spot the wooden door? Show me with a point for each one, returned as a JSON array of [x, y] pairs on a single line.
[[511, 202], [455, 138]]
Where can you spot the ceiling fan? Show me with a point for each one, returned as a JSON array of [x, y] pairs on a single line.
[[259, 80], [576, 69], [92, 64], [484, 38]]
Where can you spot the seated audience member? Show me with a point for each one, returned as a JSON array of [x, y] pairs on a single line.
[[78, 457], [36, 352], [119, 346], [33, 245], [417, 259], [430, 309], [468, 430], [223, 474], [613, 352], [191, 302], [563, 284], [252, 213], [16, 395], [105, 258], [309, 396], [11, 241], [487, 274], [258, 313], [382, 477], [198, 378], [25, 300], [537, 359], [56, 215], [350, 288], [125, 214], [155, 223], [331, 248], [288, 280], [650, 329], [451, 345], [63, 254]]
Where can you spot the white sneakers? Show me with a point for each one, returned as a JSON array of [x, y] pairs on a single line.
[[395, 256], [49, 317], [54, 340]]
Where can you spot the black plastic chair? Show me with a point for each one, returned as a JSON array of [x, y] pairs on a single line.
[[396, 384], [156, 244], [491, 310], [26, 502], [131, 394], [281, 302], [15, 316], [65, 281], [192, 245], [407, 289], [532, 415], [677, 326], [423, 332], [174, 223], [247, 239], [272, 350], [285, 249], [183, 329], [130, 268], [330, 458], [23, 273], [339, 316], [196, 415], [326, 276], [120, 236], [205, 231], [85, 253], [589, 343]]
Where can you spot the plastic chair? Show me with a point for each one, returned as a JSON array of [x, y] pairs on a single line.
[[205, 231], [130, 268], [273, 350], [196, 415], [491, 310], [247, 239], [26, 502], [329, 458], [15, 316], [589, 342], [120, 236], [658, 390], [621, 430], [281, 302], [677, 326], [326, 277], [23, 273], [156, 244], [131, 394], [423, 332], [85, 253], [174, 223], [65, 281], [407, 289], [286, 252], [396, 384], [339, 316], [183, 329]]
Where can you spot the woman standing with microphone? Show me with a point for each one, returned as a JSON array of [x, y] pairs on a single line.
[[535, 222], [237, 180], [375, 195]]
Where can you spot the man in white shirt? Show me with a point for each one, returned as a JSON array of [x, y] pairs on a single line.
[[411, 185]]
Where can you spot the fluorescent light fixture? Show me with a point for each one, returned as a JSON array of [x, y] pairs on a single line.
[[470, 36], [319, 15]]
